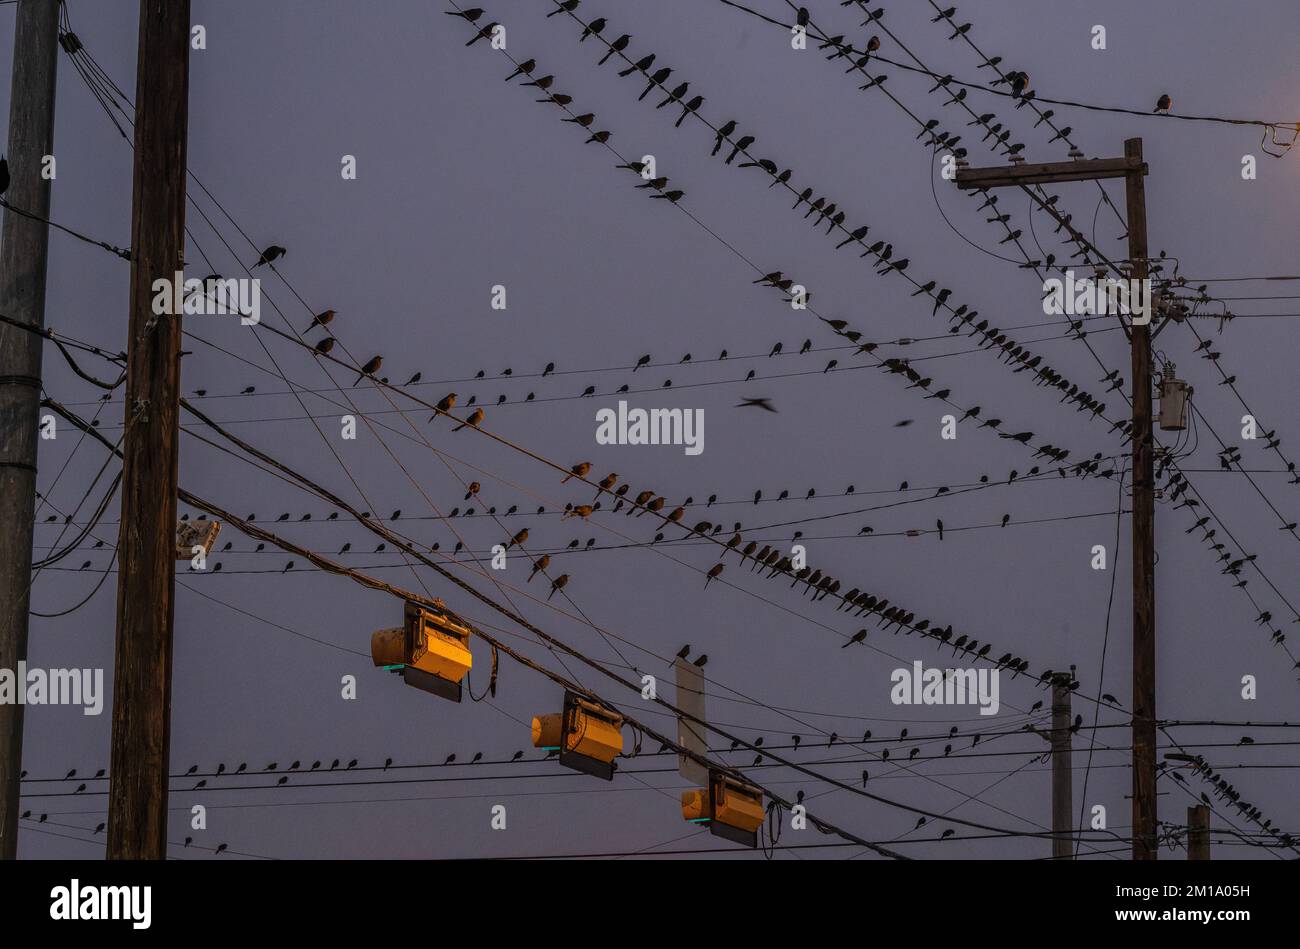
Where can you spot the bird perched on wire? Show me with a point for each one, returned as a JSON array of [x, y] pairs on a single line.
[[559, 583], [324, 345], [760, 403], [714, 572], [687, 108], [369, 369], [723, 134], [615, 47], [523, 69], [568, 6], [675, 95], [484, 33], [447, 403], [471, 14], [540, 564], [672, 196], [743, 143], [658, 79], [584, 120], [641, 65], [321, 319], [270, 255], [1164, 104], [592, 29], [475, 418], [579, 470], [582, 510]]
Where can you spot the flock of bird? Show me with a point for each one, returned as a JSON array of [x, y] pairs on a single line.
[[826, 210]]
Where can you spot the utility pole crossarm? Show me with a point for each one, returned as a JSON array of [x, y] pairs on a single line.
[[1089, 169]]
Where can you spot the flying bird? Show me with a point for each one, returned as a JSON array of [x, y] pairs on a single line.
[[761, 403]]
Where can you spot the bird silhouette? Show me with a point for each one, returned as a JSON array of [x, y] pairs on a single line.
[[641, 65], [270, 255], [759, 403], [558, 583], [617, 46], [484, 33], [523, 69], [656, 80]]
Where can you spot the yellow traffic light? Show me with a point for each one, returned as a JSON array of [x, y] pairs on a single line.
[[588, 736], [731, 808], [431, 650]]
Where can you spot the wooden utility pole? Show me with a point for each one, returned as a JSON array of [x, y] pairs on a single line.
[[1062, 776], [1132, 169], [1144, 536], [1198, 832], [137, 802], [22, 297]]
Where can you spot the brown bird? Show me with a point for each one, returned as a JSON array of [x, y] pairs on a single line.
[[321, 319], [582, 510], [608, 482], [448, 402], [369, 369], [324, 345], [518, 539], [713, 574], [1164, 104], [475, 418], [541, 563], [473, 489], [558, 583], [579, 471]]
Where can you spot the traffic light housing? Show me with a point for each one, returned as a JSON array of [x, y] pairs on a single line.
[[588, 736], [431, 650], [732, 809]]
